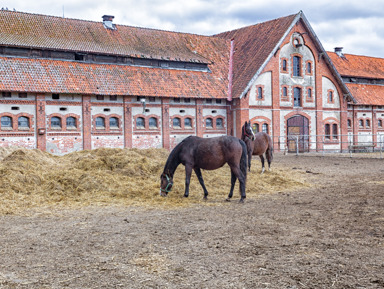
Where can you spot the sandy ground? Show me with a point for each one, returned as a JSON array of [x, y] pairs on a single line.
[[328, 236]]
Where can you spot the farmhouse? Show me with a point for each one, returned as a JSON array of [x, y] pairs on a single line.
[[69, 85]]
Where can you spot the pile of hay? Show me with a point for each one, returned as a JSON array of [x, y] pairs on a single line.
[[35, 179]]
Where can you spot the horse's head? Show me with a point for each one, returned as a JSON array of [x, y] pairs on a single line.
[[166, 183], [248, 131]]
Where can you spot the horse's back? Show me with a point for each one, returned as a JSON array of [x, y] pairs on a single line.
[[261, 143]]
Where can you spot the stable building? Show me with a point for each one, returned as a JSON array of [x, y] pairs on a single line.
[[69, 85]]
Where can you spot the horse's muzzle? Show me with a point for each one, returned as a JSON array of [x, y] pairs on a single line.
[[163, 194]]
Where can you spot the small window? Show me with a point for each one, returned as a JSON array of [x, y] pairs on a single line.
[[219, 123], [330, 96], [22, 95], [15, 108], [113, 98], [309, 68], [23, 121], [152, 99], [367, 123], [208, 101], [176, 122], [284, 65], [152, 122], [140, 123], [71, 122], [6, 121], [62, 108], [285, 92], [255, 127], [296, 66], [113, 122], [380, 123], [6, 94], [99, 97], [361, 123], [187, 100], [79, 57], [297, 97], [188, 122], [55, 122], [100, 122], [55, 96], [208, 123], [349, 123], [176, 100], [309, 93], [259, 92], [327, 131], [334, 131], [265, 127], [218, 101]]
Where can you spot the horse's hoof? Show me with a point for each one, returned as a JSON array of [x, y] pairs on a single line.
[[227, 199], [186, 196], [241, 201]]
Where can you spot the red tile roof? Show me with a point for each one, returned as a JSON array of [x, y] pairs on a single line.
[[358, 66], [44, 75], [367, 94], [253, 45], [50, 32]]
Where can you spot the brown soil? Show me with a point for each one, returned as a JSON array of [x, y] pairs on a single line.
[[329, 235]]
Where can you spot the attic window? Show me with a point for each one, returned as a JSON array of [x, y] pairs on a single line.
[[79, 57], [55, 96]]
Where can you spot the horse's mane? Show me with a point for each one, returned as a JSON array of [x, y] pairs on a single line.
[[173, 159]]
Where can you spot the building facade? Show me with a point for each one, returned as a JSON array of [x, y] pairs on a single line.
[[69, 85]]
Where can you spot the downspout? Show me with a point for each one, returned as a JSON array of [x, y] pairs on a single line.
[[230, 72]]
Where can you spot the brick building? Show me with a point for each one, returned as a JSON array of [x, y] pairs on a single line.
[[69, 85]]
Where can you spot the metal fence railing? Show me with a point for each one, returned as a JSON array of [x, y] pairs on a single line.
[[346, 145]]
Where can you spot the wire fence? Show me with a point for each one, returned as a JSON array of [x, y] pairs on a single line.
[[350, 145]]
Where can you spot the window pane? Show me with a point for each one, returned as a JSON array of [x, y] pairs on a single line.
[[208, 123], [153, 122], [219, 122], [23, 121], [309, 67], [113, 122], [100, 122], [55, 121], [285, 91], [309, 93], [140, 122], [297, 96], [330, 96], [334, 131], [265, 127], [285, 65], [367, 123], [176, 122], [71, 121], [259, 93], [255, 128], [6, 121], [296, 66], [327, 131], [187, 122]]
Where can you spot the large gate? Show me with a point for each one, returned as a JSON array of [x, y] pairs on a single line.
[[298, 134]]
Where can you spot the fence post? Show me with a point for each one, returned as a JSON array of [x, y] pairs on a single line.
[[297, 145]]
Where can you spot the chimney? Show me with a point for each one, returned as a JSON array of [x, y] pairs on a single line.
[[107, 22], [339, 51]]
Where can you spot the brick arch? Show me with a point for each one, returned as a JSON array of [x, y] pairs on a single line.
[[27, 115], [264, 120], [214, 118], [12, 116], [305, 138]]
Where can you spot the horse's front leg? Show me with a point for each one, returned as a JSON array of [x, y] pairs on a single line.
[[188, 173], [201, 181], [233, 181]]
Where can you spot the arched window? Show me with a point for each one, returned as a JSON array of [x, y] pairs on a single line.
[[309, 93], [255, 127], [208, 123], [309, 67], [6, 121], [100, 122], [297, 96], [264, 127], [152, 122], [219, 123], [23, 121], [285, 91], [140, 123], [330, 96], [176, 122], [349, 123], [334, 131], [55, 122], [327, 131], [259, 92], [380, 123], [367, 123], [71, 122], [296, 66], [113, 122], [361, 123], [188, 122]]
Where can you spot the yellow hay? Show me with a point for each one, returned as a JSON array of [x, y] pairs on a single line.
[[35, 179]]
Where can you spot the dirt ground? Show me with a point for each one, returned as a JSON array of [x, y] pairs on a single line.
[[330, 235]]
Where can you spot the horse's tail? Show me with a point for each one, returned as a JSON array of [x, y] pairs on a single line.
[[270, 148], [243, 160]]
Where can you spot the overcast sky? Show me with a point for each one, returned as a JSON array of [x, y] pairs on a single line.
[[356, 25]]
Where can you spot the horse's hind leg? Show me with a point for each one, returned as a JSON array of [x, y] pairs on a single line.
[[201, 181], [269, 159], [262, 163], [188, 173], [233, 181]]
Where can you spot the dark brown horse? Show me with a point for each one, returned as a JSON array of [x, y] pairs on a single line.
[[209, 154], [257, 144]]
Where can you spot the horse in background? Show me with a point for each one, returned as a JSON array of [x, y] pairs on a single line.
[[197, 153], [257, 144]]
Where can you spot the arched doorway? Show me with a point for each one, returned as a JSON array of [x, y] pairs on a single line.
[[298, 134]]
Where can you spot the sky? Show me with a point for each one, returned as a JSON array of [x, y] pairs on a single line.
[[355, 25]]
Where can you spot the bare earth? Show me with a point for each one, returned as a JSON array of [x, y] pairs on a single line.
[[328, 236]]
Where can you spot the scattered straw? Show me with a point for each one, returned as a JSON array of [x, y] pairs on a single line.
[[127, 177]]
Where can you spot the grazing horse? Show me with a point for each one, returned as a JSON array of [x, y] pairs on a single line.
[[209, 154], [257, 144]]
